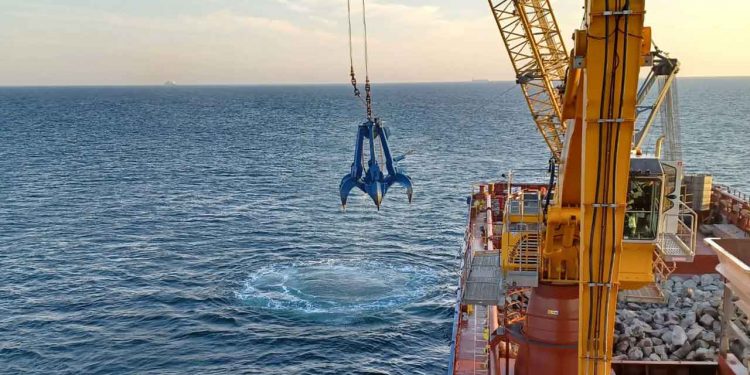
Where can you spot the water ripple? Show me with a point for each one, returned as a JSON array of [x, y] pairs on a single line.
[[198, 229]]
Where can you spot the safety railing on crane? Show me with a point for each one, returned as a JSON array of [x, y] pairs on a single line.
[[525, 253], [662, 269], [679, 245]]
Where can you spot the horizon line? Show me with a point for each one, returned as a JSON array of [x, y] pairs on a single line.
[[475, 80]]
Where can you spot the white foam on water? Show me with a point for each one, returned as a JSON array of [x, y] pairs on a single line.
[[336, 286]]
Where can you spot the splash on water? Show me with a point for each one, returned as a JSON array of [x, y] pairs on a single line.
[[336, 286]]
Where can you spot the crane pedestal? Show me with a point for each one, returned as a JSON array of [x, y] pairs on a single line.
[[548, 341]]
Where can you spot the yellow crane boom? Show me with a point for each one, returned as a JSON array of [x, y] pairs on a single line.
[[537, 52]]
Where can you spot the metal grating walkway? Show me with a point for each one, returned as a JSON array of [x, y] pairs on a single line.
[[673, 249], [483, 286]]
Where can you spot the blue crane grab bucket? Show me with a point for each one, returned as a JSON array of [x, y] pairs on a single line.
[[371, 179]]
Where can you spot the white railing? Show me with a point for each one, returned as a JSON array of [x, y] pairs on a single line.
[[682, 233]]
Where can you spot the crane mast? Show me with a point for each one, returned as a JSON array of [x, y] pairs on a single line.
[[611, 49]]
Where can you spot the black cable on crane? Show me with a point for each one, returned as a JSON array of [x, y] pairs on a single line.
[[616, 147], [619, 115], [611, 160], [590, 332], [608, 182]]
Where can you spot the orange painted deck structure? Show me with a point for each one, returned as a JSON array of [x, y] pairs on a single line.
[[479, 338]]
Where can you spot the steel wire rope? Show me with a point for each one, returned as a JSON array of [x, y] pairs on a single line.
[[368, 97], [367, 101], [351, 52]]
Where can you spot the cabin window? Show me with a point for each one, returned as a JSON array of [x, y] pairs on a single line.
[[515, 207], [642, 215], [523, 227], [531, 203]]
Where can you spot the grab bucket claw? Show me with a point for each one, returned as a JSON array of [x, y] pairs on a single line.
[[370, 178]]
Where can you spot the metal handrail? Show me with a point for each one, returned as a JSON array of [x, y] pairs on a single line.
[[684, 209], [522, 250], [662, 270], [454, 340], [467, 258], [733, 191], [521, 247], [686, 233]]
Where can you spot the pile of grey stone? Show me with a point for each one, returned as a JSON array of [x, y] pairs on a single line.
[[686, 328]]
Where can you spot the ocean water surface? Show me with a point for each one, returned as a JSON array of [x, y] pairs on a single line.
[[198, 229]]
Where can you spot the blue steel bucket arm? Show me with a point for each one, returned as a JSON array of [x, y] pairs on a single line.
[[372, 181], [394, 172], [354, 178]]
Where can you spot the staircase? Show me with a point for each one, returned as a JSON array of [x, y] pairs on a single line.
[[514, 309], [523, 267]]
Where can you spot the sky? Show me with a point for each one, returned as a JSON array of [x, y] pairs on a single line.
[[143, 42]]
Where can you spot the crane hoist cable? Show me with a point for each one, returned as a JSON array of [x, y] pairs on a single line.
[[367, 101], [351, 52], [368, 175], [368, 96]]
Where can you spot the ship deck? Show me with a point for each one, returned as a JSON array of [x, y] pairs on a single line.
[[471, 357], [482, 288], [484, 277], [482, 284]]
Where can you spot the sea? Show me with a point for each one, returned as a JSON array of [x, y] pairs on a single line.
[[198, 229]]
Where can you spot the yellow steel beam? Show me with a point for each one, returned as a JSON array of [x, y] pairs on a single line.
[[537, 52], [614, 40]]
